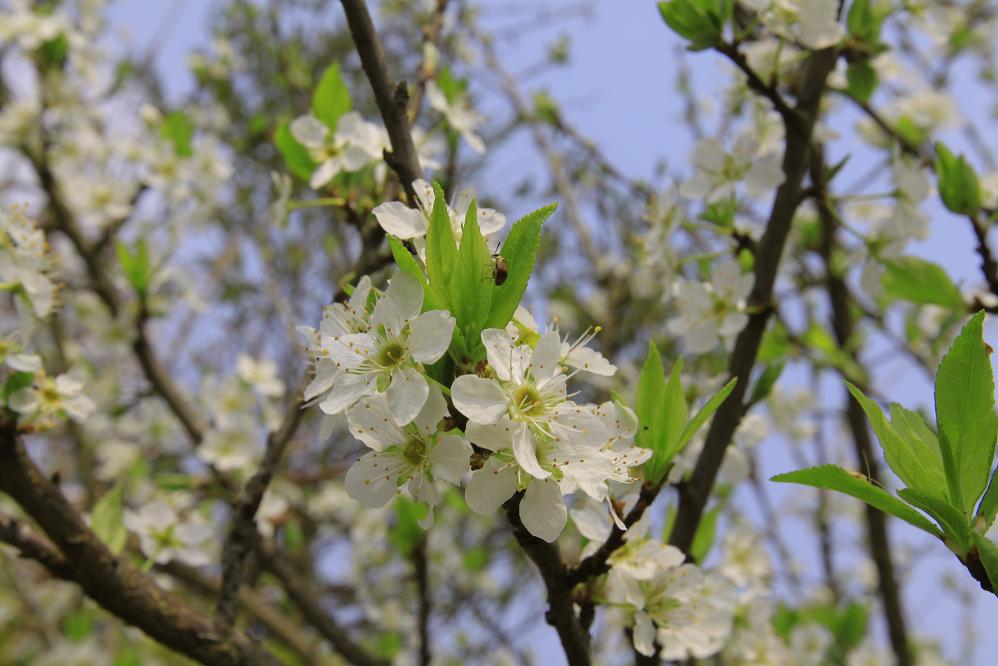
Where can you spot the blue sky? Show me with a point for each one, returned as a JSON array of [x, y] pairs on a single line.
[[618, 90]]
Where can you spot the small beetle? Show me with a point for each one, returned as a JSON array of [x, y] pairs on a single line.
[[500, 269]]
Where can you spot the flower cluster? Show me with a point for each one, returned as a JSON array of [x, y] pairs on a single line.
[[24, 261], [686, 611], [541, 441]]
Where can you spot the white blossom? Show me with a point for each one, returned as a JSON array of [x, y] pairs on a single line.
[[413, 456], [355, 144], [541, 441], [718, 170], [389, 356], [460, 116], [709, 312]]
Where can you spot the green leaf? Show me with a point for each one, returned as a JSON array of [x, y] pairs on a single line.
[[405, 261], [78, 625], [965, 412], [954, 524], [705, 413], [988, 553], [107, 520], [959, 187], [862, 80], [331, 98], [651, 388], [833, 477], [851, 627], [136, 265], [699, 21], [666, 413], [476, 558], [408, 264], [919, 281], [406, 532], [471, 285], [703, 539], [910, 448], [296, 157], [16, 382], [864, 22], [441, 248], [520, 252], [766, 381], [989, 504], [179, 130]]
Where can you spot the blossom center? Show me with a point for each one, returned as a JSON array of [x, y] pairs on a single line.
[[390, 355], [414, 451], [528, 401]]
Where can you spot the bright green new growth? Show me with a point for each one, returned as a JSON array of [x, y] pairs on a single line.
[[959, 187], [946, 475], [459, 276], [699, 21], [663, 422]]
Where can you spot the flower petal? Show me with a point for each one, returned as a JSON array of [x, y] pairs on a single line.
[[544, 361], [400, 221], [309, 131], [450, 458], [543, 510], [346, 390], [481, 400], [505, 359], [644, 634], [490, 486], [433, 411], [525, 452], [371, 422], [430, 335], [407, 394], [494, 437], [372, 480]]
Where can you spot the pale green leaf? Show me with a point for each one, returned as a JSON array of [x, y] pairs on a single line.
[[295, 155], [919, 281], [910, 448], [107, 520], [954, 523], [988, 552], [705, 413], [441, 248], [965, 411], [471, 285], [520, 252], [331, 98], [833, 477]]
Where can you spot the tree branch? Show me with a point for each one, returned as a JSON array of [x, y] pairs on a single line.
[[421, 565], [693, 493], [105, 289], [560, 614], [31, 546], [392, 102], [276, 621], [596, 564], [843, 327], [113, 582], [242, 531], [301, 593]]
